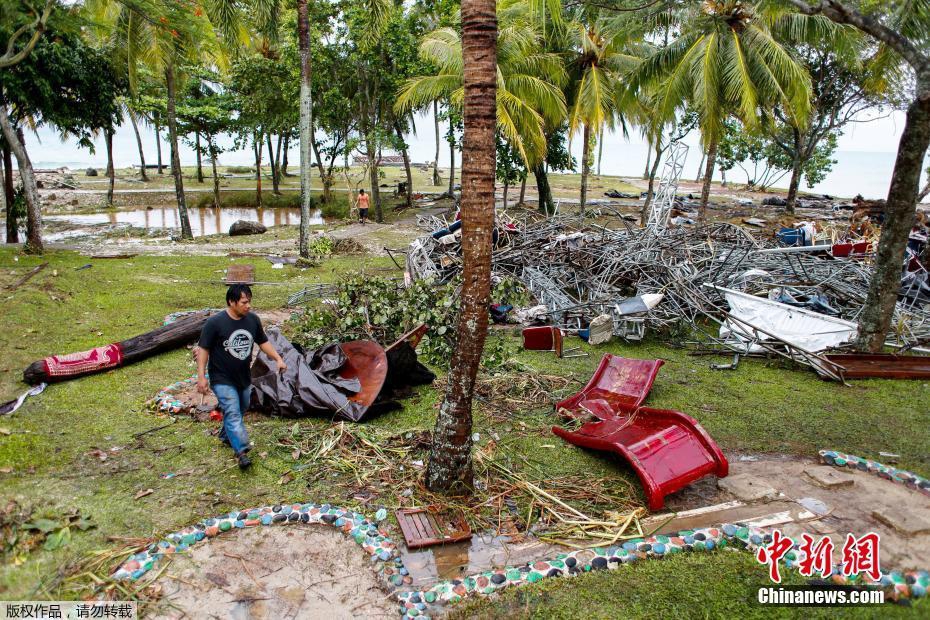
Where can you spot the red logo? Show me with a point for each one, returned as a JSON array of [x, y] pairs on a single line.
[[860, 555]]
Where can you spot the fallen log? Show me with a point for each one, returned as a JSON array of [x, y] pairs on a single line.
[[27, 277], [63, 367]]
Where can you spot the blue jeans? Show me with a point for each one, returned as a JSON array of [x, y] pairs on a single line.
[[233, 403]]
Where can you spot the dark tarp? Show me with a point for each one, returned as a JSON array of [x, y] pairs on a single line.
[[311, 384]]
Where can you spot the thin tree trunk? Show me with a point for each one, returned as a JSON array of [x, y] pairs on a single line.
[[697, 178], [12, 223], [186, 232], [273, 162], [111, 172], [7, 207], [600, 151], [257, 149], [546, 203], [277, 164], [506, 187], [406, 156], [158, 147], [899, 215], [923, 194], [28, 179], [199, 159], [648, 168], [708, 177], [585, 166], [216, 176], [650, 193], [523, 190], [792, 199], [436, 179], [373, 176], [135, 128], [450, 463], [283, 164], [305, 127], [451, 166]]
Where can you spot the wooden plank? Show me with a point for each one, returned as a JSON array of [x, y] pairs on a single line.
[[240, 274]]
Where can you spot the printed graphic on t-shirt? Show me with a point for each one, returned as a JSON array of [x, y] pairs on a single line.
[[239, 344]]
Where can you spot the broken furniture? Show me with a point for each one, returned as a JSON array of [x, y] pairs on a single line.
[[424, 527], [548, 338], [667, 449], [240, 274], [63, 367]]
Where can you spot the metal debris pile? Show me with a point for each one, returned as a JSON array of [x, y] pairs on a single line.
[[583, 269]]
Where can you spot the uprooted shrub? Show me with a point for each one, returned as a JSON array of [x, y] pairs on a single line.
[[383, 310]]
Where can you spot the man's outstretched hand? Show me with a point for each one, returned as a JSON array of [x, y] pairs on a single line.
[[202, 386]]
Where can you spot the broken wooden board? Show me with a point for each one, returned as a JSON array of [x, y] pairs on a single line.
[[424, 528], [240, 274]]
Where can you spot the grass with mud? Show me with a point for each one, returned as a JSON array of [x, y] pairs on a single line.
[[48, 462]]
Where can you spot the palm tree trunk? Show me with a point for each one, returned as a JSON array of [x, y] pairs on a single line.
[[373, 175], [12, 225], [257, 149], [111, 172], [7, 208], [546, 203], [697, 178], [585, 165], [158, 147], [708, 177], [30, 189], [899, 215], [436, 179], [199, 158], [450, 463], [523, 190], [406, 156], [186, 232], [216, 177], [650, 193], [451, 165], [305, 127], [506, 187], [648, 167], [600, 151], [135, 128]]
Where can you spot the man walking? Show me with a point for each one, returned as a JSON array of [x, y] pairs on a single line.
[[362, 203], [226, 343]]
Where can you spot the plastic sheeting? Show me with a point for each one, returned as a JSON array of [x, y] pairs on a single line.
[[798, 327], [310, 385]]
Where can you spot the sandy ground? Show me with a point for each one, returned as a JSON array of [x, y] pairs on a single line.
[[292, 572]]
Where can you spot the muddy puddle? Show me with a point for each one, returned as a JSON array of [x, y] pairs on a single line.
[[204, 221]]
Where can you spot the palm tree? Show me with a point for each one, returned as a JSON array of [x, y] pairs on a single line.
[[598, 56], [528, 94], [725, 62], [450, 464], [306, 122]]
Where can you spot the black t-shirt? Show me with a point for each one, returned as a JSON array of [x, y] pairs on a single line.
[[229, 343]]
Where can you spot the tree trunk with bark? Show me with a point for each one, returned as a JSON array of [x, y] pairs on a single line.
[[600, 151], [650, 192], [30, 189], [373, 176], [506, 188], [648, 162], [451, 168], [216, 177], [199, 158], [257, 151], [523, 190], [111, 171], [287, 143], [923, 194], [7, 207], [450, 462], [697, 177], [436, 179], [585, 165], [186, 232], [273, 161], [305, 126], [708, 177], [135, 129], [406, 156], [9, 192], [797, 163], [158, 147], [546, 203], [899, 217]]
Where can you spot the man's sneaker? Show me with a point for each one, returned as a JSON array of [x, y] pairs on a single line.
[[244, 461]]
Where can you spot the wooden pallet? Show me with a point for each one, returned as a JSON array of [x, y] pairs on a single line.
[[423, 527]]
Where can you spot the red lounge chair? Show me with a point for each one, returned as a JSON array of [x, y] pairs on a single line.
[[548, 338], [668, 450], [368, 363]]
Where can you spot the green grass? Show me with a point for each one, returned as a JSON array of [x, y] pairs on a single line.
[[761, 407]]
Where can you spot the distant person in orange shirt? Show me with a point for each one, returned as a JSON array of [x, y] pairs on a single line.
[[362, 204]]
